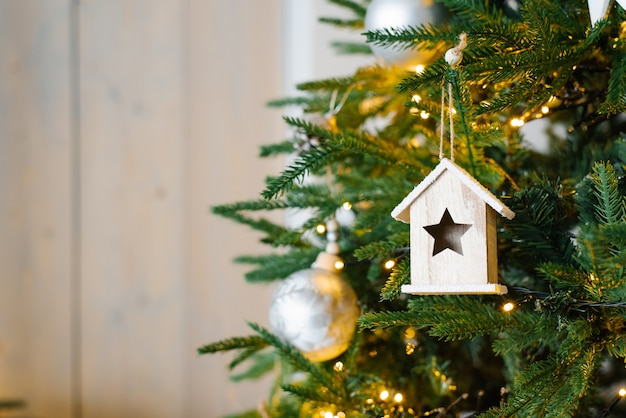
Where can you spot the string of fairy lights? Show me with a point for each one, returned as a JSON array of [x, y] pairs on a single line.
[[567, 299]]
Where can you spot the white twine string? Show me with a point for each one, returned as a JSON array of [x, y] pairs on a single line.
[[332, 109], [453, 57]]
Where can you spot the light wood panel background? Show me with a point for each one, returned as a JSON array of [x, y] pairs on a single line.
[[121, 123]]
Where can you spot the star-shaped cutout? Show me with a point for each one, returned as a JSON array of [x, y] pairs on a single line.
[[447, 234]]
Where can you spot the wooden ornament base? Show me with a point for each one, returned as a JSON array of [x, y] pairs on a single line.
[[456, 289]]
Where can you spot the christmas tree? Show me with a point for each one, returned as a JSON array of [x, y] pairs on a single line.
[[549, 340]]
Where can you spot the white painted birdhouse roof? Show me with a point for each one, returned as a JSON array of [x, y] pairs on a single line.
[[402, 211]]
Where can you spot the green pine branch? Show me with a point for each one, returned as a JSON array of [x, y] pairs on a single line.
[[616, 93], [278, 266], [422, 36], [527, 337], [263, 363], [611, 204], [334, 146], [359, 8], [247, 414], [312, 393], [285, 147], [387, 319], [401, 274], [383, 249], [550, 388], [475, 11], [272, 230], [291, 354], [563, 276], [540, 229], [449, 318], [342, 23], [291, 101], [329, 84], [346, 48], [252, 342]]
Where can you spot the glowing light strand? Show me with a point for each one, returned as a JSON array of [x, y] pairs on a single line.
[[566, 299], [609, 408]]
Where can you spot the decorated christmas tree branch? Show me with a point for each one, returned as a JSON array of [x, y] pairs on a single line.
[[309, 161], [296, 359], [396, 243], [253, 342], [350, 48], [342, 23], [329, 84], [475, 11], [332, 148], [285, 147], [458, 318], [272, 230], [429, 78], [611, 206], [312, 393], [400, 275], [538, 229], [550, 388], [448, 318], [293, 101], [531, 338], [263, 364], [616, 94], [356, 7], [409, 37], [278, 266]]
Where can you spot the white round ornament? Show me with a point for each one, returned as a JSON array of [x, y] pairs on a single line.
[[315, 310], [389, 14]]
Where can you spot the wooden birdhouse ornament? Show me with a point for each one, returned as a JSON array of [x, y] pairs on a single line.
[[453, 234]]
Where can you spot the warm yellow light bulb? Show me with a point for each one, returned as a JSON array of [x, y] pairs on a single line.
[[384, 395], [424, 114], [328, 415], [346, 206], [339, 265], [389, 264], [508, 307], [545, 110], [419, 68], [410, 332], [622, 392], [417, 98], [517, 122], [321, 228], [398, 397], [338, 366]]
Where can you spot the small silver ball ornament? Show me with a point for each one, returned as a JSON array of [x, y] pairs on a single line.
[[389, 14], [315, 310]]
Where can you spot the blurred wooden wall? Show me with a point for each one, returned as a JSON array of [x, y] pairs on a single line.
[[121, 123]]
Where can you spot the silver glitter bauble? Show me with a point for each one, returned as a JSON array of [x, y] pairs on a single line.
[[389, 14], [316, 311]]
